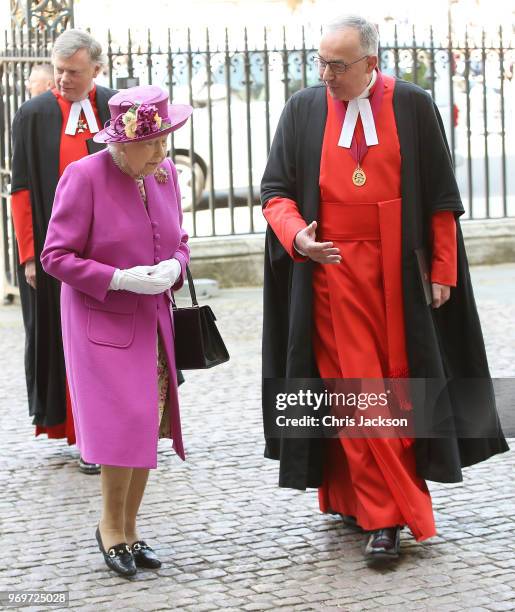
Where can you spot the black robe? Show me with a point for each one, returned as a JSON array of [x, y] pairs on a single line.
[[36, 134], [444, 344]]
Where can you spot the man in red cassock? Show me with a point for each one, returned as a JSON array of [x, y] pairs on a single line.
[[50, 131], [358, 179]]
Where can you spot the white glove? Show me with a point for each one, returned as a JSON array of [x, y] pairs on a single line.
[[169, 269], [139, 280]]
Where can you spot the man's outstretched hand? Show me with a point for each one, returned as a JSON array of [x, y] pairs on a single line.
[[321, 252]]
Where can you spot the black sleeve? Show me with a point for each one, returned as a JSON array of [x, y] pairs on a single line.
[[439, 183], [19, 167], [279, 178]]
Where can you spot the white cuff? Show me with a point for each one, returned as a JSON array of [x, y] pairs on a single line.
[[115, 281]]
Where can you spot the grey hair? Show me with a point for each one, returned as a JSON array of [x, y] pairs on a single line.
[[368, 34], [71, 41]]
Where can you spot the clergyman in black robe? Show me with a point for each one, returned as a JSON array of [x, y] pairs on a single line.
[[443, 345], [41, 149]]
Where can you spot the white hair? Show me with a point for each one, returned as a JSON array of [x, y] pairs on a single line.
[[46, 69], [116, 150], [71, 41], [368, 34]]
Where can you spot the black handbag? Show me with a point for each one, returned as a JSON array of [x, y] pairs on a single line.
[[198, 343]]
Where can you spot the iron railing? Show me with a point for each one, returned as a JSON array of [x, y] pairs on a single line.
[[238, 92]]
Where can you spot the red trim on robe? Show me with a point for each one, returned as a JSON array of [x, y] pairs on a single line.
[[284, 218], [21, 212], [63, 430], [444, 263]]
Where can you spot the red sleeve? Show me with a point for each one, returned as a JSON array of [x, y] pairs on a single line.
[[284, 218], [444, 264], [22, 221]]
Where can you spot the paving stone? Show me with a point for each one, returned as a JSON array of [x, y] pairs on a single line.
[[229, 538]]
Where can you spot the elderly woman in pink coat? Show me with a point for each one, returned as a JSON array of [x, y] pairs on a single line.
[[116, 242]]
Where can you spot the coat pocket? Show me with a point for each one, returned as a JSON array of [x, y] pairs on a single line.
[[112, 322]]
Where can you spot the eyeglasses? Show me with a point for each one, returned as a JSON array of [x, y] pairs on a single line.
[[336, 66]]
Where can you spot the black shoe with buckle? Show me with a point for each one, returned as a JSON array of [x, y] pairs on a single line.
[[144, 556], [88, 468], [118, 558], [383, 544]]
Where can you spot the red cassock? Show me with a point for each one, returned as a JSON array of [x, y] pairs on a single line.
[[358, 319], [71, 149]]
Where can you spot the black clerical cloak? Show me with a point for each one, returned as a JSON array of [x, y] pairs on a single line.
[[444, 344], [36, 134]]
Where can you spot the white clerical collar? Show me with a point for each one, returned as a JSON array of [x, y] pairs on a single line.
[[359, 106], [73, 119], [366, 92]]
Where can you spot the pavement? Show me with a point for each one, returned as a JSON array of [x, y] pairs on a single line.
[[229, 538]]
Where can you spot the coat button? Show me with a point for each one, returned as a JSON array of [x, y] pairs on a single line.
[[157, 236], [157, 259], [153, 223], [157, 247]]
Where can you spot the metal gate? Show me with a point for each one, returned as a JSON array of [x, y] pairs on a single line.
[[238, 92]]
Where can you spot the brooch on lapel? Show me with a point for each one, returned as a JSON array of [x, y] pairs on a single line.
[[161, 175]]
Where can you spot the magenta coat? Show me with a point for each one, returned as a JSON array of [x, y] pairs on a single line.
[[99, 223]]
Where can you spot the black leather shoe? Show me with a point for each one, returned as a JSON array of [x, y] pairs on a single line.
[[118, 558], [88, 468], [383, 544], [144, 556]]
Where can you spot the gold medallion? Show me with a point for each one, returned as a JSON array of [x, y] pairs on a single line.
[[359, 177]]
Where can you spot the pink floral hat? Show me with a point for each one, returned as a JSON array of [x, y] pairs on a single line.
[[141, 113]]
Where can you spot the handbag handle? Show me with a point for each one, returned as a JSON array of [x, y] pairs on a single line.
[[191, 286]]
